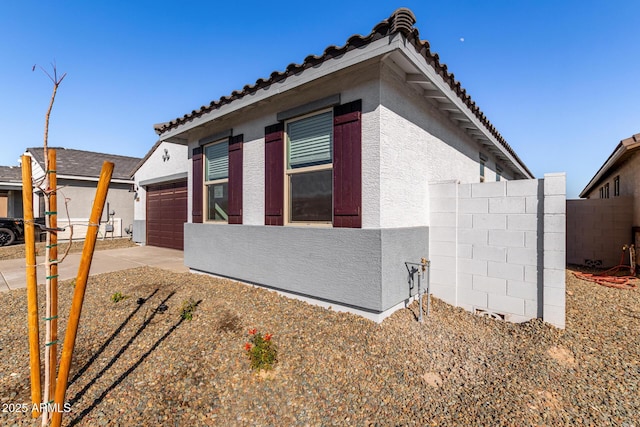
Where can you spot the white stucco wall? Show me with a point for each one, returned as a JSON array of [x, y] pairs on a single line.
[[157, 168], [351, 86], [419, 145]]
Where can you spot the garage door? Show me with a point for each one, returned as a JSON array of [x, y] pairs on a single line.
[[166, 214]]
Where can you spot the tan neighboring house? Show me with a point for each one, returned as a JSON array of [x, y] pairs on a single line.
[[10, 192], [608, 215], [78, 172]]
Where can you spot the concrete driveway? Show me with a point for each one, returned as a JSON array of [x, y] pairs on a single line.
[[13, 274]]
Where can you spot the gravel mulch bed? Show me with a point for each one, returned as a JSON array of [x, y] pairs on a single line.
[[17, 251], [137, 365]]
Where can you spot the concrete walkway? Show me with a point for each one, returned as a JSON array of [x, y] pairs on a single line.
[[13, 274]]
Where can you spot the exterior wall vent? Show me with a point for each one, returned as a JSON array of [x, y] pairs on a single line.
[[594, 263], [488, 313]]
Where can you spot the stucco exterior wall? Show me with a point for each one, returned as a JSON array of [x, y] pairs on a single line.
[[361, 269], [419, 144], [629, 173], [351, 86], [80, 196]]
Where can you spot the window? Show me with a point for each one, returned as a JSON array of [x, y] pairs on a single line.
[[483, 161], [313, 168], [216, 181], [606, 190], [616, 186], [309, 168], [602, 192], [498, 173]]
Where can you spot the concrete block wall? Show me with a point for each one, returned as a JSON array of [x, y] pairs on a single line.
[[597, 229], [490, 251]]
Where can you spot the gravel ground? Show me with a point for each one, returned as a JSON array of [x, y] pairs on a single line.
[[17, 251], [135, 365]]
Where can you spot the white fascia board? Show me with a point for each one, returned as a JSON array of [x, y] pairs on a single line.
[[10, 185], [421, 64], [377, 48], [94, 179]]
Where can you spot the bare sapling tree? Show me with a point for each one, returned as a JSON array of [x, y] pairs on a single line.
[[48, 187]]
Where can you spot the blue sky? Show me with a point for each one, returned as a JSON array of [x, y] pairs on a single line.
[[558, 79]]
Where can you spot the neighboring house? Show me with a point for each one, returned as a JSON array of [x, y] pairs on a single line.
[[609, 217], [322, 180], [77, 174], [160, 208], [10, 192]]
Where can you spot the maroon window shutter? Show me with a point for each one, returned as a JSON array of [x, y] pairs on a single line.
[[274, 174], [198, 183], [347, 165], [235, 179]]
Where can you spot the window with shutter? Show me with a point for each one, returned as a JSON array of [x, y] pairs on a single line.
[[309, 180], [313, 169]]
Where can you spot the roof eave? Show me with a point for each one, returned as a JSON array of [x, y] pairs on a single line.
[[625, 146], [468, 120], [377, 48]]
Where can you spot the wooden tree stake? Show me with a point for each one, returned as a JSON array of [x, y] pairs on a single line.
[[32, 282], [51, 264], [78, 295]]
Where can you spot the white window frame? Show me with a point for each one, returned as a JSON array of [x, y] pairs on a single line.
[[206, 184], [316, 168]]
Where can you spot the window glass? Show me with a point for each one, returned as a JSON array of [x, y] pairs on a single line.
[[218, 201], [216, 177], [310, 141], [311, 196]]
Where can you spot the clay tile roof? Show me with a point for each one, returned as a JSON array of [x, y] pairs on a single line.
[[401, 21], [86, 163]]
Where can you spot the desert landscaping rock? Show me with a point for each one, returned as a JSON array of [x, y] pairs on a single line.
[[17, 251], [137, 365]]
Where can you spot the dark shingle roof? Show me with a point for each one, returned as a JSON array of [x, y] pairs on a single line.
[[86, 163], [401, 21], [10, 174]]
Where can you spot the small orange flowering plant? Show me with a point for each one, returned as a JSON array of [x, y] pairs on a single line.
[[261, 350]]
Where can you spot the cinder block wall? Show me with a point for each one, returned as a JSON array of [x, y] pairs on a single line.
[[489, 250], [597, 229]]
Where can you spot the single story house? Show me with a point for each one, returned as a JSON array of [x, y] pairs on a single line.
[[608, 215], [78, 172], [10, 192], [322, 180], [160, 206]]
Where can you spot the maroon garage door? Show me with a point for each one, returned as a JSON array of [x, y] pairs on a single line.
[[166, 214]]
